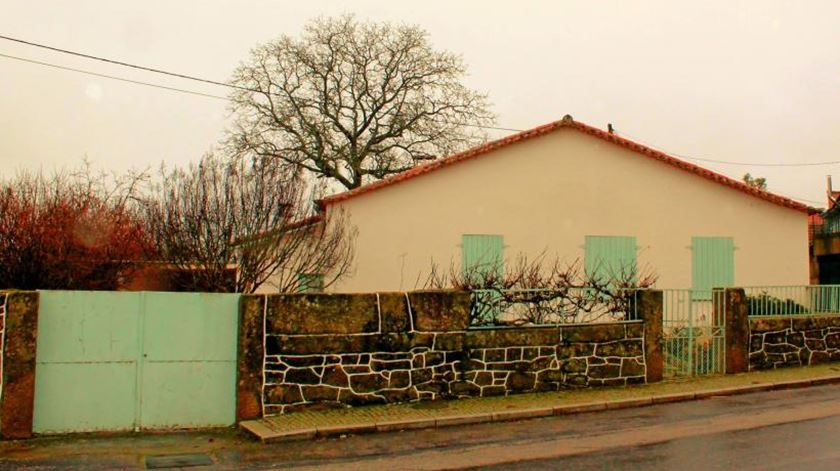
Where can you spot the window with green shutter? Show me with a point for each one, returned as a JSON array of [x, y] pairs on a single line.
[[610, 257], [481, 254], [310, 283], [712, 264]]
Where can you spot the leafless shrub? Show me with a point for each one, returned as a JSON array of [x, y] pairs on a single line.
[[539, 291], [72, 229], [241, 215]]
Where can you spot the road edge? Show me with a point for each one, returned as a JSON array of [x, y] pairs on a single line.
[[265, 434]]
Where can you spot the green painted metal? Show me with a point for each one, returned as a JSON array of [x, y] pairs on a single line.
[[712, 264], [189, 360], [482, 259], [608, 257], [793, 300], [86, 361], [482, 253], [310, 283], [122, 361], [693, 328], [831, 222]]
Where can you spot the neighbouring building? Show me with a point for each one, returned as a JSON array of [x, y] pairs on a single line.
[[825, 242], [157, 276], [576, 192]]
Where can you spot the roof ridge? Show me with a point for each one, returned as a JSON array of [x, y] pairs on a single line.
[[569, 122]]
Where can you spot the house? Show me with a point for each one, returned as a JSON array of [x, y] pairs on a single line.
[[572, 191], [825, 242]]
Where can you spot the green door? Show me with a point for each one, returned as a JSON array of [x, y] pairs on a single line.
[[124, 361], [610, 257], [712, 264]]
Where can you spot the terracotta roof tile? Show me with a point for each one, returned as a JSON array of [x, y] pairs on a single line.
[[568, 122]]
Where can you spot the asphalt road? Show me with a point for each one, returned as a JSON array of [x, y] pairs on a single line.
[[809, 445], [794, 429]]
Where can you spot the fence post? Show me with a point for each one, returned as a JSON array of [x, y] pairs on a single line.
[[650, 311], [737, 325], [17, 400], [249, 357]]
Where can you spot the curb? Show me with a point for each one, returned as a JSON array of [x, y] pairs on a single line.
[[266, 435]]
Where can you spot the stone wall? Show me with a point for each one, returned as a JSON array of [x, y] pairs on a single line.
[[20, 332], [3, 297], [330, 350], [793, 341]]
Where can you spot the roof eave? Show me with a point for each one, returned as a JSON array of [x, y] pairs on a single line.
[[569, 122]]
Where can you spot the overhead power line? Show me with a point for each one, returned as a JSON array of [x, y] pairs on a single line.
[[159, 71], [238, 87], [808, 200], [121, 79], [753, 164], [126, 64], [175, 89], [729, 162], [218, 97]]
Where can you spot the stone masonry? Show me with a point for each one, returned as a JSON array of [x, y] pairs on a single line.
[[793, 341], [20, 333], [344, 350], [3, 297]]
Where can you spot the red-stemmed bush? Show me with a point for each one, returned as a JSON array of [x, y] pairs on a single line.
[[69, 230]]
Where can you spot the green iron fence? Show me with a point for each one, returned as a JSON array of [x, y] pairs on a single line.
[[792, 300], [693, 332], [573, 305]]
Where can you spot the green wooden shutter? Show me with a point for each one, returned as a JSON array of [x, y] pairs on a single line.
[[310, 283], [712, 263], [609, 257], [481, 253]]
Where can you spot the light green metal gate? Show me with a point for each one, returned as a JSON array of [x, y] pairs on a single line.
[[693, 332], [127, 361]]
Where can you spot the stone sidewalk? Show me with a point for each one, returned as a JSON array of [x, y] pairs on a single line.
[[393, 417]]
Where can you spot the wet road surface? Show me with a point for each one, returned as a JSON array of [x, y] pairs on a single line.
[[810, 445], [793, 429]]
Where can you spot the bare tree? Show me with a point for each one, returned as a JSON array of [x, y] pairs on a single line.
[[541, 291], [73, 229], [232, 225], [353, 101]]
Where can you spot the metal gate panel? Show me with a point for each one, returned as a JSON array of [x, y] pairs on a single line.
[[121, 361], [85, 377], [189, 360], [693, 332]]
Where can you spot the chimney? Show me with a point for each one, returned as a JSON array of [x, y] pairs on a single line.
[[829, 192]]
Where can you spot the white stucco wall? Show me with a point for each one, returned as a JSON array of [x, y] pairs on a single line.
[[548, 193]]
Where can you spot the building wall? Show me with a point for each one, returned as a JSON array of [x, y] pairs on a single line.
[[547, 194]]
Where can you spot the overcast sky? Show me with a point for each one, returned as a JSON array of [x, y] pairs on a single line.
[[755, 82]]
